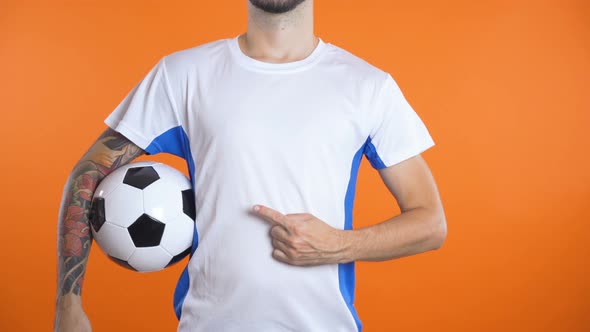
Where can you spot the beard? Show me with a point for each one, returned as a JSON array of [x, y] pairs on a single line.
[[276, 6]]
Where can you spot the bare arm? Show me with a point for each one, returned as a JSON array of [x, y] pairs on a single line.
[[420, 227], [74, 238]]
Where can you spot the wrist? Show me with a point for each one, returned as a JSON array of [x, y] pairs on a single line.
[[348, 245]]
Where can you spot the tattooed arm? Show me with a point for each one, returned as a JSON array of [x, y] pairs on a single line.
[[74, 237]]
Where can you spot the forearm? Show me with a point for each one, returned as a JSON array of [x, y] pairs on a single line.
[[74, 238], [411, 232]]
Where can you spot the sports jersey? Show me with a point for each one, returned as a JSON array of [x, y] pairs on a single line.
[[290, 136]]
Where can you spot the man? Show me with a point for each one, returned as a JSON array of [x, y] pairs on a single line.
[[273, 124]]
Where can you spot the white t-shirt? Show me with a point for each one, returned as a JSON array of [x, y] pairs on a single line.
[[286, 135]]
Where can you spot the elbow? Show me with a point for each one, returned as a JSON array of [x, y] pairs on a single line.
[[438, 231]]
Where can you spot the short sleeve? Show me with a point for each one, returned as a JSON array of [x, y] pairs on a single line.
[[147, 116], [396, 132]]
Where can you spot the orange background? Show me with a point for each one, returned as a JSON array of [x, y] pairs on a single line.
[[501, 85]]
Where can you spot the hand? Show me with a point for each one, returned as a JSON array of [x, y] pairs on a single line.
[[70, 317], [303, 239]]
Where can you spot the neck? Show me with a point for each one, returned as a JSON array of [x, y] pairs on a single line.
[[279, 38]]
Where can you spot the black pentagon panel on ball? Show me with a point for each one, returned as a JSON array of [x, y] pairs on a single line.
[[146, 231], [122, 263], [179, 257], [141, 177], [188, 203], [97, 216]]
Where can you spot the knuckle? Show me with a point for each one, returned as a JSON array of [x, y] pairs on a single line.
[[296, 228], [292, 253], [292, 242], [296, 244], [283, 233]]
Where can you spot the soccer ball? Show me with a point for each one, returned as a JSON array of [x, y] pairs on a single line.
[[143, 216]]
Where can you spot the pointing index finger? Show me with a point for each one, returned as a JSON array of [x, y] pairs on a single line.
[[271, 215]]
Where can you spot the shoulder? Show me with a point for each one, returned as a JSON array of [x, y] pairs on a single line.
[[196, 58], [355, 67], [357, 76]]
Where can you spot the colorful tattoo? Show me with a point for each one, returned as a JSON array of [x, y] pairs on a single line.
[[110, 151]]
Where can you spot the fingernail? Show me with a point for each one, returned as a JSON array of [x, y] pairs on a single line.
[[256, 208]]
